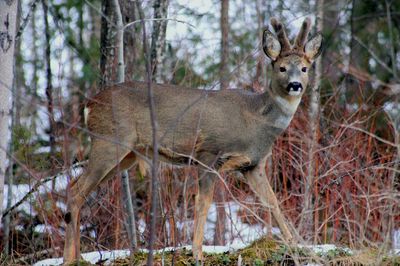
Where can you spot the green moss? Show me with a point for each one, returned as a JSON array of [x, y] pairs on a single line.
[[264, 251], [81, 263]]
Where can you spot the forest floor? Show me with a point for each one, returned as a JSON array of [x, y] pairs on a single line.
[[245, 245], [265, 251]]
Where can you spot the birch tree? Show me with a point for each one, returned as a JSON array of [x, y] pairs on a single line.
[[8, 18], [313, 116]]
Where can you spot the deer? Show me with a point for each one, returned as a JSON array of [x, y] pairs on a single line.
[[230, 130]]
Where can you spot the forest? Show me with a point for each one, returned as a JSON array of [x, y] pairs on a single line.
[[335, 170]]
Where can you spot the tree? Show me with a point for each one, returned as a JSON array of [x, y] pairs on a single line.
[[8, 18], [313, 116], [49, 85], [158, 38], [224, 71], [220, 226]]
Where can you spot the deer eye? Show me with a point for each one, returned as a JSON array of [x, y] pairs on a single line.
[[304, 69], [282, 69]]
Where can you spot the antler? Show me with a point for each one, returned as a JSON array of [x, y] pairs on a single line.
[[302, 36], [300, 41], [281, 34]]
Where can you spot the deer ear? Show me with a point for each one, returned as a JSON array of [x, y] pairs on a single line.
[[271, 45], [312, 49]]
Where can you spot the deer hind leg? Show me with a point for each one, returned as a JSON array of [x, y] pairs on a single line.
[[258, 182], [203, 202], [105, 160]]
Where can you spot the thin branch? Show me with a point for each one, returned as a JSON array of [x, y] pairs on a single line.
[[372, 53], [37, 185], [136, 21], [26, 19]]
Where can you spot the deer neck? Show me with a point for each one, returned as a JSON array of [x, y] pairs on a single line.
[[279, 110]]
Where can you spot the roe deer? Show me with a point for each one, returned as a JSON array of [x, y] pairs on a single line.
[[228, 130]]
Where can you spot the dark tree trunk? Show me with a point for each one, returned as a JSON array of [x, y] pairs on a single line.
[[107, 56], [220, 226], [49, 87], [158, 38], [224, 70], [131, 35]]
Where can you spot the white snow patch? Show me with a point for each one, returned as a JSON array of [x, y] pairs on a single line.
[[325, 248], [92, 257], [396, 240], [40, 228], [109, 256], [20, 190]]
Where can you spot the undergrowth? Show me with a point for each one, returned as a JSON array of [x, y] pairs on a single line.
[[263, 252]]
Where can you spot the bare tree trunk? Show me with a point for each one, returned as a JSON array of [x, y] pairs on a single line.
[[157, 53], [7, 219], [19, 81], [220, 224], [126, 191], [110, 73], [158, 38], [306, 222], [107, 55], [154, 129], [8, 18], [34, 83], [128, 11], [392, 46], [395, 120], [128, 51], [224, 71], [49, 87]]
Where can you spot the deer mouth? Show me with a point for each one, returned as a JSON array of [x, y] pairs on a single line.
[[294, 88]]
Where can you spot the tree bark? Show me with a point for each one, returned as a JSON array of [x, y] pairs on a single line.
[[154, 130], [126, 191], [220, 224], [8, 18], [129, 54], [107, 53], [19, 82], [306, 222], [129, 14], [49, 88], [224, 71], [158, 38]]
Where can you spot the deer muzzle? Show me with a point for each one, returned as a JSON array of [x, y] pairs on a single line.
[[294, 88]]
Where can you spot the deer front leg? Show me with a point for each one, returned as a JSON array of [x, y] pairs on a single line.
[[258, 182], [202, 205], [105, 161]]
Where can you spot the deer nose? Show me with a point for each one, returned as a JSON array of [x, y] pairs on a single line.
[[294, 87]]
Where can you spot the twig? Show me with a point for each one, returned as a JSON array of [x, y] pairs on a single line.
[[36, 187], [36, 254], [26, 20]]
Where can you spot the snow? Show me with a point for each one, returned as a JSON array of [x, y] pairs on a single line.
[[324, 249], [40, 228], [396, 240], [108, 256], [20, 190], [91, 257]]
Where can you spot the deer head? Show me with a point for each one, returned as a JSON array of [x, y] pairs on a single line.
[[290, 63]]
